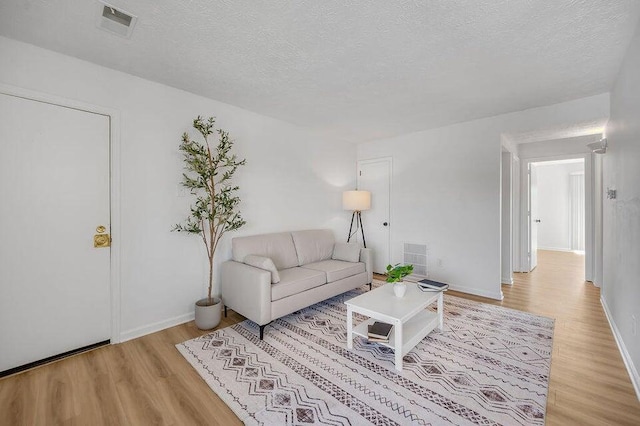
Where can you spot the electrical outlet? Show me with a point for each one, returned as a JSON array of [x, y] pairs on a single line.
[[439, 263], [634, 327]]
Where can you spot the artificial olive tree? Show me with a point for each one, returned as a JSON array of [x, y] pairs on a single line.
[[208, 176]]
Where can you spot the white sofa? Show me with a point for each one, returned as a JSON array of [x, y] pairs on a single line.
[[272, 275]]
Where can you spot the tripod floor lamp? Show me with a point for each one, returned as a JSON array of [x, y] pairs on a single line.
[[356, 201]]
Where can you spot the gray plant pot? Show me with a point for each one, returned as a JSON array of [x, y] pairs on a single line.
[[208, 316]]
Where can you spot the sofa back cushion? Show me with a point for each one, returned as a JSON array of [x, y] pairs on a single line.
[[349, 252], [277, 247], [313, 245]]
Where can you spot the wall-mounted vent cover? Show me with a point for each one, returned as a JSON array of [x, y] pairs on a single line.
[[416, 254], [115, 20]]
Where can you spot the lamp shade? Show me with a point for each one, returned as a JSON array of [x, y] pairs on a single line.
[[356, 200]]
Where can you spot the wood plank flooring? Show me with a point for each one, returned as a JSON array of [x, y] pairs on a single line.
[[146, 381], [589, 383]]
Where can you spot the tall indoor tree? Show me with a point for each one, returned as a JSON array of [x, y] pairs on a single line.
[[208, 176]]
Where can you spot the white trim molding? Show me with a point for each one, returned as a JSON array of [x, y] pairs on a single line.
[[156, 326], [555, 248], [482, 293], [626, 357]]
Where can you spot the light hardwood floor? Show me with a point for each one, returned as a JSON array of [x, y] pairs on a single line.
[[589, 383], [146, 381]]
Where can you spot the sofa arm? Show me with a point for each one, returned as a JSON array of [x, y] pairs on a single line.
[[366, 256], [247, 290]]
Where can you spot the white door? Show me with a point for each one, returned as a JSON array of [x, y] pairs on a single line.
[[534, 220], [375, 176], [54, 186]]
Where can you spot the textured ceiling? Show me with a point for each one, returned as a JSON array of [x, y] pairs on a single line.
[[359, 69]]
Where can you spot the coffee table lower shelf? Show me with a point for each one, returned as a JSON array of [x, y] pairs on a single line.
[[413, 331]]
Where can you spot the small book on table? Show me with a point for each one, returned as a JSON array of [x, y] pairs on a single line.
[[430, 285], [379, 331]]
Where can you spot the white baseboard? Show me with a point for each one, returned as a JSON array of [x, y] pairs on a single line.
[[555, 248], [507, 280], [475, 291], [631, 369], [156, 326]]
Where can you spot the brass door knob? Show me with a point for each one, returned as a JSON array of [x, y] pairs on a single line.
[[101, 239]]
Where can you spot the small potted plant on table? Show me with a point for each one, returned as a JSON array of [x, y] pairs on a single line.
[[208, 177], [396, 274]]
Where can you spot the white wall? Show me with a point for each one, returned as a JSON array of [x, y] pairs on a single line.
[[621, 217], [554, 230], [446, 190], [293, 178], [440, 200]]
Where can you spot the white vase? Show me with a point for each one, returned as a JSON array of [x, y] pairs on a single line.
[[399, 289], [208, 316]]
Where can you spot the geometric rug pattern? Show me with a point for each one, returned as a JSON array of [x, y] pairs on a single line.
[[489, 366]]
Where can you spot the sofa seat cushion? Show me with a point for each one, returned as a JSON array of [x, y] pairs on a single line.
[[296, 280], [336, 269]]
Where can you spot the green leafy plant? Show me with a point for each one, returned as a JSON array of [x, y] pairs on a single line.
[[397, 272], [208, 177]]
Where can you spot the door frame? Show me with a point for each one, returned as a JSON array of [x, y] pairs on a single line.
[[389, 161], [515, 218], [571, 199], [507, 266], [114, 184], [530, 222], [589, 232]]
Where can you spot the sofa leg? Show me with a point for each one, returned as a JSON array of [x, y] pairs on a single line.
[[370, 287], [262, 331], [225, 311]]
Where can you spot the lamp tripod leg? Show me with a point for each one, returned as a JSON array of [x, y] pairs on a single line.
[[353, 216], [364, 242]]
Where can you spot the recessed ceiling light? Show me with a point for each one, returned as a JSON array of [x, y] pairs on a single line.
[[115, 20]]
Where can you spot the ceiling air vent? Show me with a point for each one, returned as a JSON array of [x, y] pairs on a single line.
[[115, 20]]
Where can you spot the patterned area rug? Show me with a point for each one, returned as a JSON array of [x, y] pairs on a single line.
[[490, 365]]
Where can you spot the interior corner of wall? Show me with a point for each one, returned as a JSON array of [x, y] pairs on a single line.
[[507, 144]]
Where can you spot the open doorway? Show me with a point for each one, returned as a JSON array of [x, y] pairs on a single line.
[[557, 209], [566, 219]]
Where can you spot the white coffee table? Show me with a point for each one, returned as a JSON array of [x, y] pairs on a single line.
[[409, 316]]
